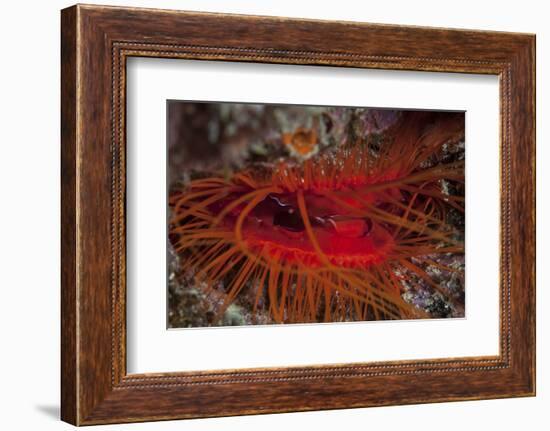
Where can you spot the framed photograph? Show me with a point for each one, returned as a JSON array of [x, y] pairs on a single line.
[[264, 215]]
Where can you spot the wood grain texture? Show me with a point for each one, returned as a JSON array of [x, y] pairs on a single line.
[[96, 41], [69, 397]]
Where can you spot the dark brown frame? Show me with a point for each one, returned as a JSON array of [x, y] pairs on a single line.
[[96, 41]]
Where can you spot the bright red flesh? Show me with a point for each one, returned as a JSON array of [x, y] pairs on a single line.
[[276, 227]]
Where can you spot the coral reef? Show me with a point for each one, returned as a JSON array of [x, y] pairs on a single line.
[[357, 214]]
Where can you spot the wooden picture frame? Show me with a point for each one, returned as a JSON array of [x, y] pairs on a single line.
[[96, 41]]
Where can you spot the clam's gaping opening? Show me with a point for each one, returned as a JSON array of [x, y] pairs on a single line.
[[289, 214]]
